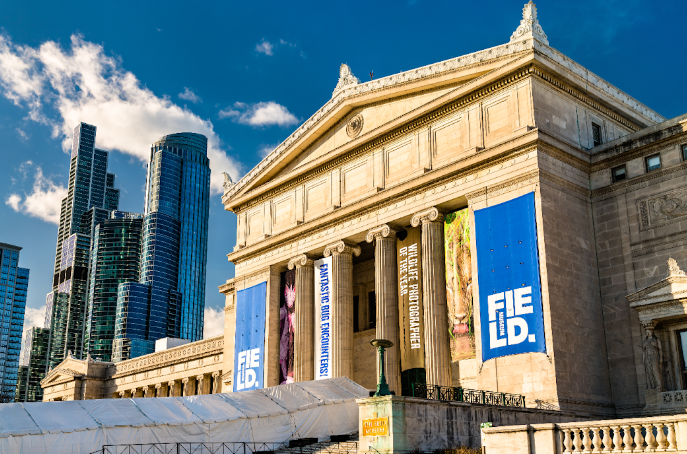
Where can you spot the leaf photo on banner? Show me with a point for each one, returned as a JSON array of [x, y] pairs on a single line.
[[459, 284]]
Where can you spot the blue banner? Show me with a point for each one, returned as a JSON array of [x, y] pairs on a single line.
[[511, 318], [249, 344]]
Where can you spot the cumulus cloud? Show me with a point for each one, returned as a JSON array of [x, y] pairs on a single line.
[[213, 322], [188, 95], [32, 317], [82, 83], [259, 114], [43, 202], [264, 150], [265, 47], [22, 135]]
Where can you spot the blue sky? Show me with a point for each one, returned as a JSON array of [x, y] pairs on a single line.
[[247, 74]]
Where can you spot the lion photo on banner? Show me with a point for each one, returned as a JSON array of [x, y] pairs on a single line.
[[459, 284]]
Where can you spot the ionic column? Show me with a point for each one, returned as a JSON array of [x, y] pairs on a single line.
[[147, 391], [122, 394], [386, 293], [342, 306], [189, 385], [160, 390], [304, 340], [216, 383], [203, 384], [437, 354], [174, 388]]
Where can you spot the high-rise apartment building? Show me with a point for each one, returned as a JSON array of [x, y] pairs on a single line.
[[171, 287], [115, 259], [14, 282], [34, 354], [90, 197]]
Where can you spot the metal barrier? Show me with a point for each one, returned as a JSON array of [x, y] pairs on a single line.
[[350, 447], [472, 396]]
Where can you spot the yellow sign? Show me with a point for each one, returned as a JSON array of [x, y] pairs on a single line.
[[375, 427]]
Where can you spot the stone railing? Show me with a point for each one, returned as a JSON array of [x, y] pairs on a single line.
[[654, 434]]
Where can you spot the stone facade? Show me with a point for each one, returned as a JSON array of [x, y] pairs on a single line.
[[473, 132], [187, 370]]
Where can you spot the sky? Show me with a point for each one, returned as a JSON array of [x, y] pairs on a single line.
[[247, 74]]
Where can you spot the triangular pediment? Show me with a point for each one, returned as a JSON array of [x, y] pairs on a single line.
[[672, 287], [60, 375], [380, 103]]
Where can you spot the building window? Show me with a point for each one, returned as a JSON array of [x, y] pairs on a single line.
[[356, 313], [372, 309], [682, 346], [619, 173], [596, 134], [653, 162], [684, 152]]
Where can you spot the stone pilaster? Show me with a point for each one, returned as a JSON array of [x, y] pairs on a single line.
[[437, 354], [304, 340], [342, 306], [386, 292]]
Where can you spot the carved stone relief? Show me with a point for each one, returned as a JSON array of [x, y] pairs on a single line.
[[354, 126], [662, 208]]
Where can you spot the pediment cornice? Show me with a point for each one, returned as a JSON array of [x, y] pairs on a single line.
[[60, 375], [348, 98]]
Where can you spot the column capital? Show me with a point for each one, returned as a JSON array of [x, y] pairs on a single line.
[[171, 383], [158, 385], [122, 394], [426, 216], [300, 261], [215, 374], [342, 247], [200, 377], [381, 231], [184, 380]]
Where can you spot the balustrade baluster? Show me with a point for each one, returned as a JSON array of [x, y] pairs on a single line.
[[617, 441], [567, 442], [650, 440], [587, 440], [672, 443], [606, 439], [597, 439], [578, 440], [627, 439], [661, 440], [639, 438]]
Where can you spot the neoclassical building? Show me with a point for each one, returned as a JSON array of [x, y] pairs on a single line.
[[397, 192], [508, 219]]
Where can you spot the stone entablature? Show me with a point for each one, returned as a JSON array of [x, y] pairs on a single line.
[[185, 370]]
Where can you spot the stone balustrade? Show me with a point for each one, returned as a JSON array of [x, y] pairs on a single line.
[[654, 434]]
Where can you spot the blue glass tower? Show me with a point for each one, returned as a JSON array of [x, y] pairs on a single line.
[[170, 293], [14, 282]]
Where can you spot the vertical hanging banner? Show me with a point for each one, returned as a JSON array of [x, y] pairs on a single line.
[[249, 343], [459, 284], [511, 317], [409, 259], [323, 318], [287, 315]]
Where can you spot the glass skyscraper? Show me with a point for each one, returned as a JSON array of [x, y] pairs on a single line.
[[90, 197], [14, 283], [171, 287], [32, 365], [115, 259]]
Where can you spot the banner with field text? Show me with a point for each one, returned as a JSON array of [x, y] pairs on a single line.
[[249, 343], [409, 259], [511, 317], [323, 318]]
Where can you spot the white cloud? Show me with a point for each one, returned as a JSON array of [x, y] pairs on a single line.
[[264, 150], [22, 135], [265, 47], [44, 201], [84, 84], [213, 324], [188, 95], [260, 114], [32, 317]]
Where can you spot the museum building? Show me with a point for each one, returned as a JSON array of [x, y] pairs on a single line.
[[507, 219]]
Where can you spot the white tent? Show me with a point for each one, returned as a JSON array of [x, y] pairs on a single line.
[[315, 409]]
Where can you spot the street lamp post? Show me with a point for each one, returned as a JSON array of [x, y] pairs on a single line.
[[382, 386]]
